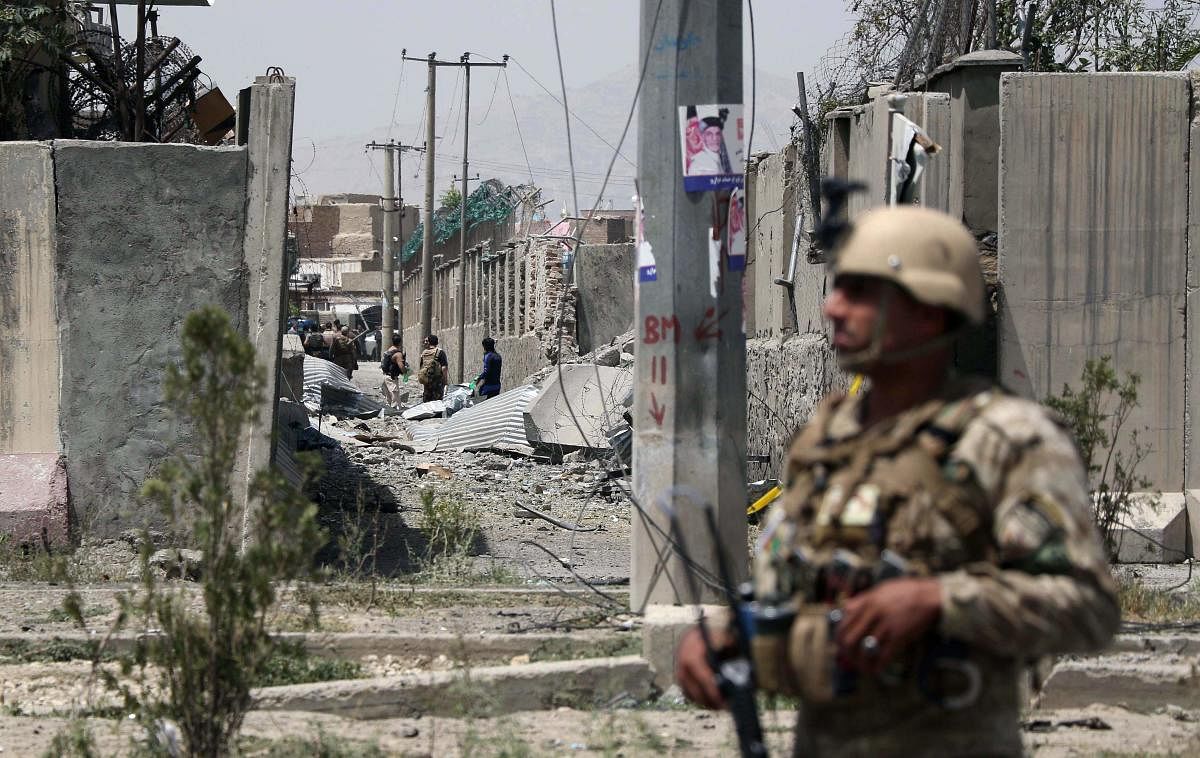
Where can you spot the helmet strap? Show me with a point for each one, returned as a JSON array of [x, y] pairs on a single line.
[[873, 354]]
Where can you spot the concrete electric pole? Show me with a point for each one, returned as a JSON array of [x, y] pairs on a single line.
[[689, 423], [388, 324], [430, 149], [461, 303], [427, 242], [393, 233]]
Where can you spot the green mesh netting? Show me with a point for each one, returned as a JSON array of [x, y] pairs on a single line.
[[491, 201]]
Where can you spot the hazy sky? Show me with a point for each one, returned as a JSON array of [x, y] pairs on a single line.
[[346, 57]]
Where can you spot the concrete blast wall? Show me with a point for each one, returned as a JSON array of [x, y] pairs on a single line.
[[604, 279], [104, 249], [29, 394], [1093, 250], [130, 265]]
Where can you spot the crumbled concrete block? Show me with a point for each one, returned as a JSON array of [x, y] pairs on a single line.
[[1139, 682], [489, 690], [1155, 530], [1192, 507], [662, 626], [34, 498]]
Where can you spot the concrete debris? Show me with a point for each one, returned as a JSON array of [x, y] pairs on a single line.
[[1178, 713], [432, 409], [291, 368], [34, 507], [1046, 725], [601, 356], [178, 563], [425, 467], [579, 406], [505, 689]]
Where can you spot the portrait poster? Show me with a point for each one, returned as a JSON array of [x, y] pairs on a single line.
[[736, 230], [710, 144]]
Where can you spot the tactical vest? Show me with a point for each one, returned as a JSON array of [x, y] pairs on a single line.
[[895, 486]]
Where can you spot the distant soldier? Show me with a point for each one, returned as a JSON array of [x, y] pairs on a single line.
[[935, 533], [488, 381], [394, 365], [314, 344], [433, 369], [344, 352]]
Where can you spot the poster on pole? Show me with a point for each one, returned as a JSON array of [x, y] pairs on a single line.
[[710, 143], [647, 269], [736, 230]]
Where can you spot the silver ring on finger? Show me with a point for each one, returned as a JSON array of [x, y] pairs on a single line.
[[870, 645]]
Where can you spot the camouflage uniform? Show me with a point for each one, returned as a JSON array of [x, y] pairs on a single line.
[[982, 490]]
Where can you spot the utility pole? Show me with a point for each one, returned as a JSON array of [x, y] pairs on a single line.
[[689, 445], [461, 305], [427, 248], [462, 213], [392, 217]]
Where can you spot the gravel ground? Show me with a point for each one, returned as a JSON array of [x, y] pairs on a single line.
[[617, 732], [370, 497]]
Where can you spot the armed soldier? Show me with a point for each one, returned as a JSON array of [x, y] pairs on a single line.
[[935, 533]]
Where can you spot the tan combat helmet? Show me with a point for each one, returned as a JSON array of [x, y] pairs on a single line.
[[929, 254], [923, 252]]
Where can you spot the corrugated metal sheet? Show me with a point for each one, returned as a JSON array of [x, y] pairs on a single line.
[[327, 389], [495, 423]]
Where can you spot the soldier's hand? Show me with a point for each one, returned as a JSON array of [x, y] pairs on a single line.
[[884, 620], [692, 670]]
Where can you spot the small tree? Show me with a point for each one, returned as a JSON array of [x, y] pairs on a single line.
[[205, 663], [451, 198], [1097, 415], [34, 36]]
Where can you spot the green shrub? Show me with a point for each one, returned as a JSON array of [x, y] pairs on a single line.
[[197, 670], [1097, 415]]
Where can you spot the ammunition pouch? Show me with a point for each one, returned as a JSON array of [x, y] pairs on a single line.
[[799, 660]]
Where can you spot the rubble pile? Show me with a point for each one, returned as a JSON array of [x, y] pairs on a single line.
[[534, 462]]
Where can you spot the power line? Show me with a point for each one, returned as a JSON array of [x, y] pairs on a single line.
[[566, 111], [577, 117], [450, 110], [488, 112], [517, 123], [753, 86], [396, 101]]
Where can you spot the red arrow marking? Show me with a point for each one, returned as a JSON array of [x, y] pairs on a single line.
[[656, 411], [708, 328]]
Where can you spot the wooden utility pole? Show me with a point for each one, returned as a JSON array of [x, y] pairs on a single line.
[[689, 422]]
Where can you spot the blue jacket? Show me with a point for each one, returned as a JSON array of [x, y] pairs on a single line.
[[489, 379]]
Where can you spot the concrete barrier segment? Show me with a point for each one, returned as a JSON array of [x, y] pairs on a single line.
[[34, 498]]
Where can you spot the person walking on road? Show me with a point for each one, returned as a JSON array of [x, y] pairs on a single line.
[[433, 369], [488, 381], [394, 365]]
